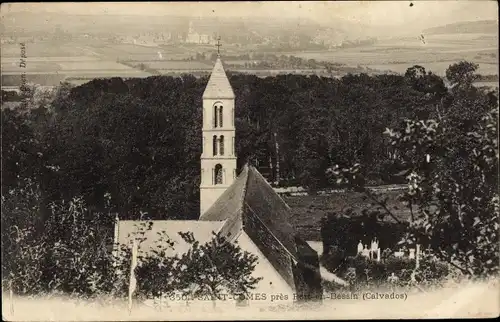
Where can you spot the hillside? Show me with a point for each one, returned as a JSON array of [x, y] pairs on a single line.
[[482, 26]]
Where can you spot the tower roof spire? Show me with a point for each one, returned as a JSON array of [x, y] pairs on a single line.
[[218, 85]]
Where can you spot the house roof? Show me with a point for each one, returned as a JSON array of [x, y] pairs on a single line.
[[251, 189], [251, 204], [218, 85], [168, 229], [270, 209]]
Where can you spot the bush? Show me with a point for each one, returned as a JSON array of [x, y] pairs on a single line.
[[365, 273], [334, 259], [432, 271]]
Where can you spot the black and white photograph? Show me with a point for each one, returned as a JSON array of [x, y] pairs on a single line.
[[249, 160]]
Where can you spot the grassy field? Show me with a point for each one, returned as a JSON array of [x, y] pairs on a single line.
[[487, 84], [36, 66], [42, 49], [435, 53], [438, 68], [307, 211], [173, 65], [51, 59], [47, 64], [91, 65]]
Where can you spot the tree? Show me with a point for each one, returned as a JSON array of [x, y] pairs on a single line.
[[79, 260], [217, 268], [157, 274], [114, 135], [22, 251], [462, 74], [453, 181], [452, 174], [66, 253]]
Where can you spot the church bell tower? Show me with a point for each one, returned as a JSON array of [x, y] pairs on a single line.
[[218, 158]]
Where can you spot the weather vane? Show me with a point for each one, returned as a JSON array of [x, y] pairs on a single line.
[[218, 46]]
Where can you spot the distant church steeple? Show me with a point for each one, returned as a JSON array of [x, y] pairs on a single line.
[[218, 158]]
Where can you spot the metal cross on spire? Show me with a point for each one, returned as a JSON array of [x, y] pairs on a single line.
[[218, 46]]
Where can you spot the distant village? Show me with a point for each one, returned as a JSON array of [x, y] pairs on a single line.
[[198, 35], [323, 38]]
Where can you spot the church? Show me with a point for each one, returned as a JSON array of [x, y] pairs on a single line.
[[244, 209]]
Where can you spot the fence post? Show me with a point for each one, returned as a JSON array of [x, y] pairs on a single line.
[[133, 281], [417, 257], [11, 295]]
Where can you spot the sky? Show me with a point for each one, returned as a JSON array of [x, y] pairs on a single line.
[[422, 14]]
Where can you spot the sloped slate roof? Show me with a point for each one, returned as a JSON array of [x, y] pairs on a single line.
[[251, 204], [168, 229], [218, 85], [270, 209], [270, 246]]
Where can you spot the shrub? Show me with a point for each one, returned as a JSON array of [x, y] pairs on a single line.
[[364, 272], [334, 258]]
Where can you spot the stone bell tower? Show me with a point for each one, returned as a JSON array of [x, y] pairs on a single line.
[[218, 158]]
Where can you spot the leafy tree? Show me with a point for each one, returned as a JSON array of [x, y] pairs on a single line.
[[452, 174], [217, 268], [67, 253], [462, 74], [157, 274], [456, 189]]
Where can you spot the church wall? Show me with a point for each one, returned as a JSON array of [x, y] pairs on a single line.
[[272, 282], [209, 195]]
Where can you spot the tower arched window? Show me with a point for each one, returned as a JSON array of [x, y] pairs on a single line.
[[221, 145], [214, 144], [218, 174], [215, 115], [220, 117]]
